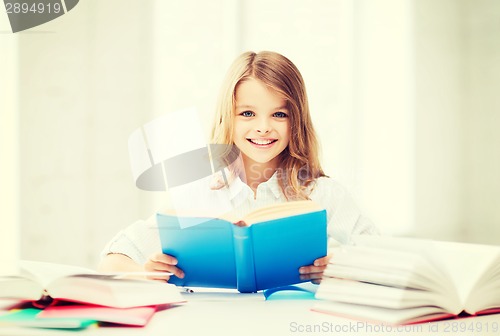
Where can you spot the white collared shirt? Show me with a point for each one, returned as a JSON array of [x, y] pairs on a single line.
[[141, 239]]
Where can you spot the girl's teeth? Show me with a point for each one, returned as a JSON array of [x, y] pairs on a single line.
[[261, 142]]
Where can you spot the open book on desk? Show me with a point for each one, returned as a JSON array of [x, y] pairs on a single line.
[[49, 281], [264, 250], [405, 280]]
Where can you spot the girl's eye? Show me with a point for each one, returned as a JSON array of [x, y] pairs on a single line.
[[280, 115], [247, 114]]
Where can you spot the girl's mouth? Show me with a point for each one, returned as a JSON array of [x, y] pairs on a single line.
[[262, 142]]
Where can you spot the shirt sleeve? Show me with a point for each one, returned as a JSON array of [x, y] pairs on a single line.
[[141, 239], [344, 217], [138, 241]]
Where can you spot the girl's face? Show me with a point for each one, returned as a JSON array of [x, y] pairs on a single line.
[[261, 124]]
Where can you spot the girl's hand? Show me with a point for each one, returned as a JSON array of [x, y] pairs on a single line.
[[160, 262], [314, 272]]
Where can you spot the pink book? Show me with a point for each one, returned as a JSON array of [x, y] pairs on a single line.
[[136, 316]]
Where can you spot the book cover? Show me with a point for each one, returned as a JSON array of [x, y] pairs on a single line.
[[29, 317], [135, 316], [265, 254]]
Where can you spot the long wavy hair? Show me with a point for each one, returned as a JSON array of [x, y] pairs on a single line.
[[299, 163]]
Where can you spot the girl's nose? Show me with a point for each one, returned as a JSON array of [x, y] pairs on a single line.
[[263, 127]]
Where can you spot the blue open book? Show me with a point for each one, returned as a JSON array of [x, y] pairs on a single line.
[[265, 250]]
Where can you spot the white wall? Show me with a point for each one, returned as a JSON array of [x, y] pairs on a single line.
[[384, 112], [191, 52], [85, 84], [439, 55], [458, 75], [481, 141], [402, 94], [9, 153]]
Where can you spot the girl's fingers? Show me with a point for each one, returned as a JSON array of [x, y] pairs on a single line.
[[322, 261], [313, 273], [311, 269], [160, 267], [159, 278], [311, 276], [163, 263], [163, 258]]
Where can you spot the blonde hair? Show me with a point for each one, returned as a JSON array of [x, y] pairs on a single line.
[[299, 162]]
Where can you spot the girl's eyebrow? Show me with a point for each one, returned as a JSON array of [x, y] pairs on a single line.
[[244, 106], [284, 107]]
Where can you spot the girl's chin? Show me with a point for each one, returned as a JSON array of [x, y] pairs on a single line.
[[255, 159]]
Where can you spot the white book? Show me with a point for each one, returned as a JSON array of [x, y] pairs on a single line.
[[49, 281], [408, 280]]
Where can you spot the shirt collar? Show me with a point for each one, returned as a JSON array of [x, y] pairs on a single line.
[[274, 186], [238, 186]]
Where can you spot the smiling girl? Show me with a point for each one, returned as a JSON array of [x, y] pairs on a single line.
[[263, 110]]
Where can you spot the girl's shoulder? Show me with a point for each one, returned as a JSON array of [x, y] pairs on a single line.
[[328, 192], [326, 185]]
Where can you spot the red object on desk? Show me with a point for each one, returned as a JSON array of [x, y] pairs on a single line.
[[136, 316]]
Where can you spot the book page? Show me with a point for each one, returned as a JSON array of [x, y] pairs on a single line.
[[466, 263], [463, 263], [422, 248], [44, 272], [19, 288], [280, 210], [221, 206], [395, 268]]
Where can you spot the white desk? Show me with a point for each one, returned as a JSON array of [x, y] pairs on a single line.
[[241, 314]]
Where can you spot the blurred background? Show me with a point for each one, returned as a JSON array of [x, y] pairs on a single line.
[[404, 95]]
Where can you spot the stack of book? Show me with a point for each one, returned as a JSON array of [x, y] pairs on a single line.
[[405, 280], [47, 295]]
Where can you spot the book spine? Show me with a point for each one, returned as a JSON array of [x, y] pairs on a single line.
[[243, 255]]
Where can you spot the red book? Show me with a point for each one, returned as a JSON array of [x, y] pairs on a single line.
[[136, 316]]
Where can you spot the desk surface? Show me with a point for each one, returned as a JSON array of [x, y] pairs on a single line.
[[249, 314]]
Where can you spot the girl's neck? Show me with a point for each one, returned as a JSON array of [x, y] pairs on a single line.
[[255, 172]]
